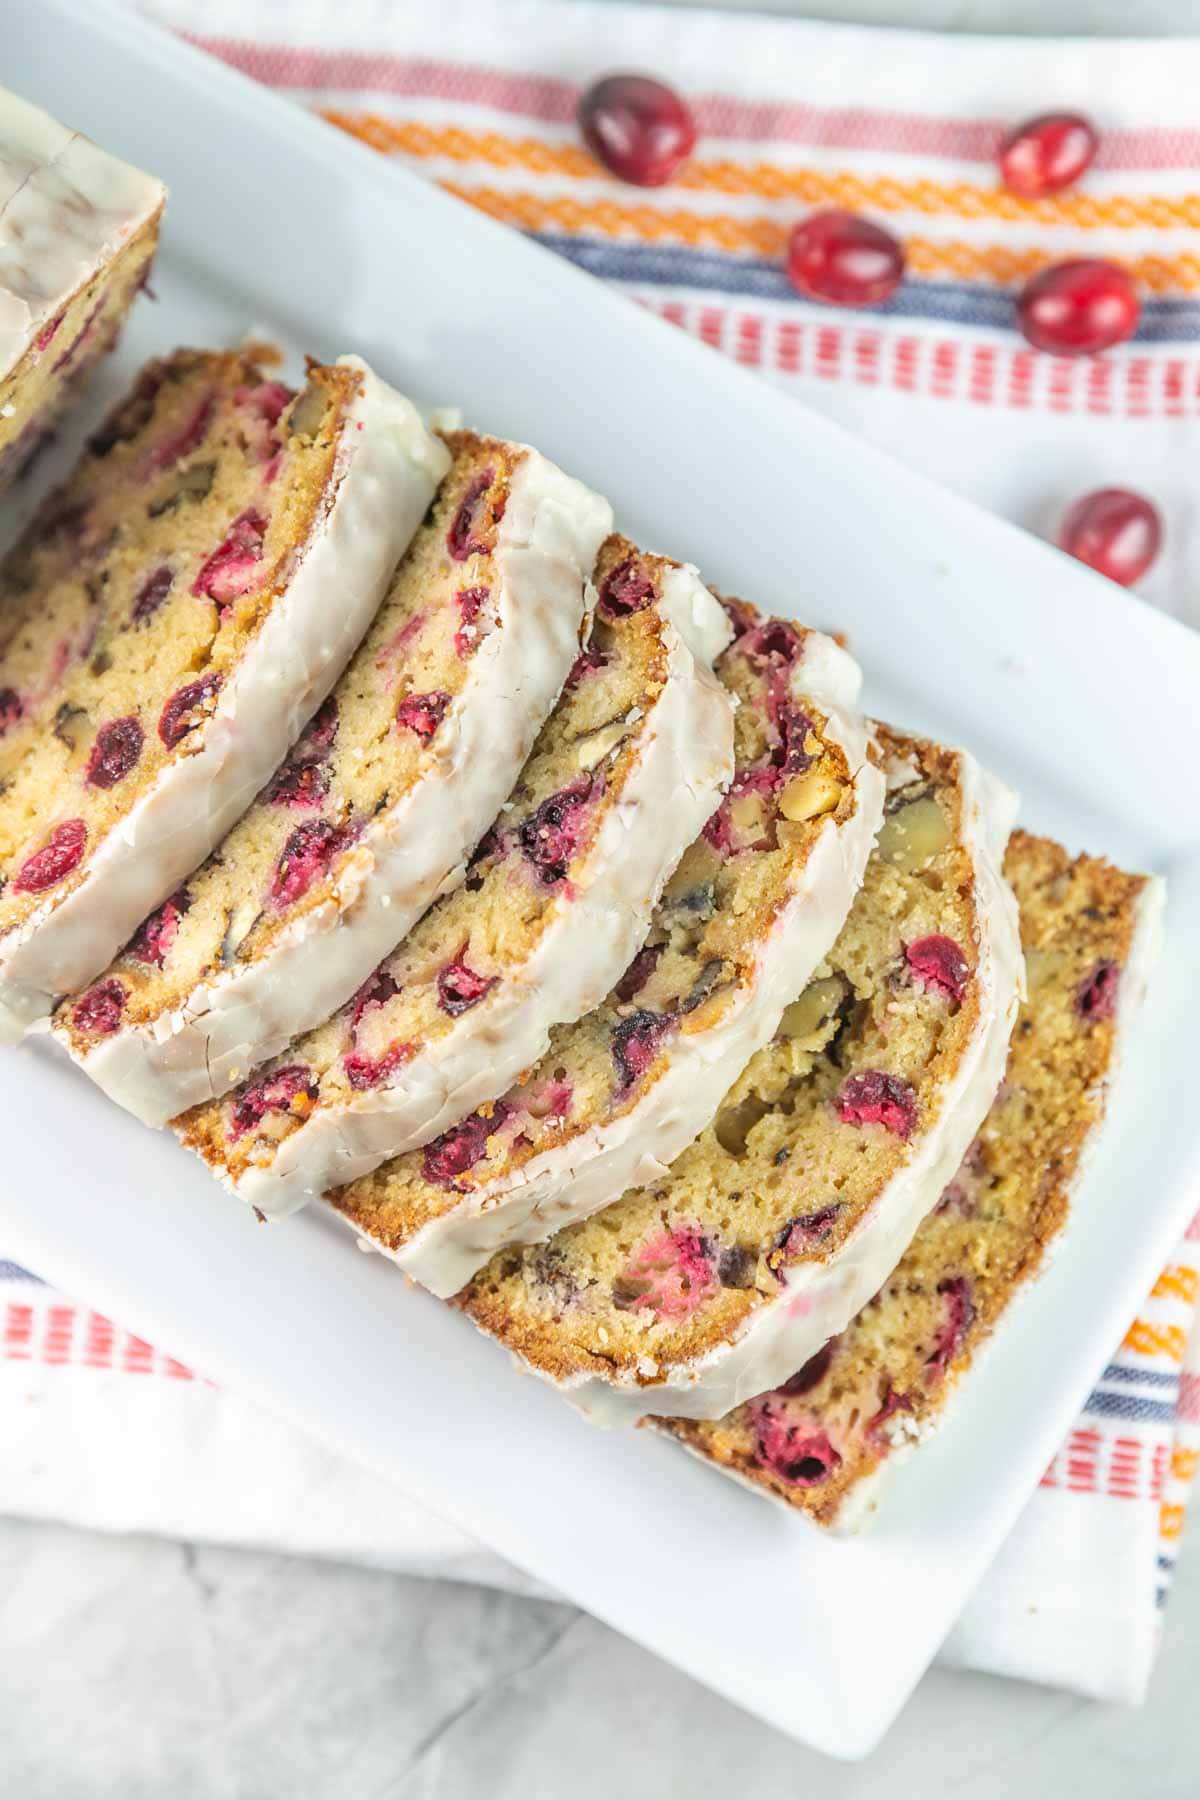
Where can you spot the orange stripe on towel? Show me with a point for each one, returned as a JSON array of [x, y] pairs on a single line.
[[1146, 1339], [775, 181], [765, 238]]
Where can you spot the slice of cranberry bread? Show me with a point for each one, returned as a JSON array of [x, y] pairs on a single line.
[[822, 1440], [169, 622], [78, 230], [558, 897], [753, 906], [796, 1203], [380, 803]]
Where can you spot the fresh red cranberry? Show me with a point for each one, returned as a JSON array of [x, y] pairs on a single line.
[[588, 662], [671, 1275], [806, 1233], [1097, 996], [874, 1098], [115, 752], [460, 1148], [1078, 308], [303, 779], [791, 1445], [938, 963], [639, 128], [1047, 154], [186, 709], [99, 1011], [1114, 531], [187, 438], [469, 528], [470, 602], [843, 259], [635, 1043], [62, 852], [639, 972], [11, 710], [152, 593], [959, 1311], [629, 588], [422, 713], [813, 1372], [460, 988], [276, 1092], [377, 990], [875, 1428], [363, 1071], [230, 569], [306, 856], [551, 834], [153, 938]]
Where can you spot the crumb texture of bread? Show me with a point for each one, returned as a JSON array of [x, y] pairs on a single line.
[[823, 1150], [756, 900], [379, 803], [819, 1440], [165, 633], [557, 897], [78, 232]]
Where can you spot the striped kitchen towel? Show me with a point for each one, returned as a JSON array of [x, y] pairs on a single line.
[[100, 1428]]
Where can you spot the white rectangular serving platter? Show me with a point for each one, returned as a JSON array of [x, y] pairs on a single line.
[[1083, 698]]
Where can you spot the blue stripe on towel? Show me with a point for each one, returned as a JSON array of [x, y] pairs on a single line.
[[1129, 1406], [1163, 321], [11, 1271]]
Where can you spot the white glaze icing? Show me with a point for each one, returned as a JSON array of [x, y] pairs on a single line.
[[386, 469], [66, 208], [861, 1502], [637, 1147], [820, 1298], [416, 849], [686, 762]]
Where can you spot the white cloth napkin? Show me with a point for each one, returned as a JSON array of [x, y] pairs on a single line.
[[100, 1430]]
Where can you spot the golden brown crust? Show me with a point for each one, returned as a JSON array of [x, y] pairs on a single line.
[[990, 1235], [77, 653], [494, 919], [506, 1298]]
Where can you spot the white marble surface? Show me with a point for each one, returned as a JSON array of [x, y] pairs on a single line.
[[132, 1669], [138, 1669]]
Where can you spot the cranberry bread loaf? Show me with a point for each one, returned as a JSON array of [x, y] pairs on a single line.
[[793, 1207], [380, 803], [558, 897], [822, 1441], [78, 230], [753, 906], [168, 623]]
